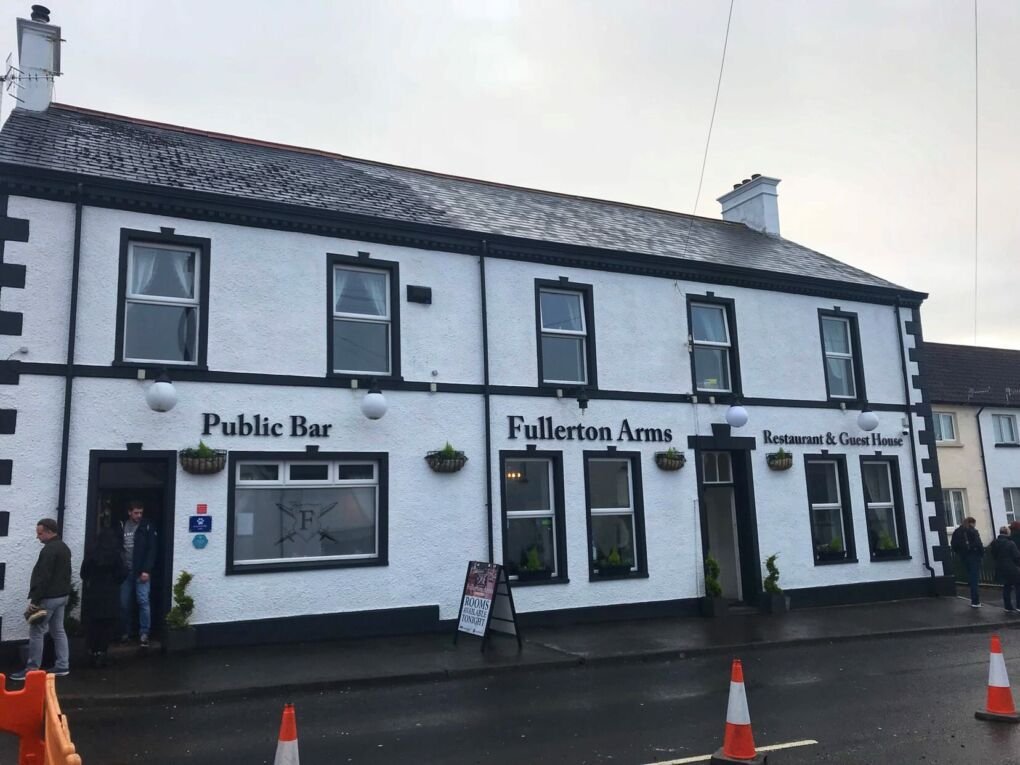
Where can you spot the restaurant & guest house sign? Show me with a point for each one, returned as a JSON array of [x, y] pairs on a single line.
[[829, 439]]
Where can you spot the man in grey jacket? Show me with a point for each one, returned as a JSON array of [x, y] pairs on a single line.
[[47, 594]]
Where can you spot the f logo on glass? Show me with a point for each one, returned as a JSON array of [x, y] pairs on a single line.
[[305, 521]]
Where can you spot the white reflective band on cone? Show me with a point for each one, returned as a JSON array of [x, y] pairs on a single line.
[[997, 677], [286, 753], [736, 710]]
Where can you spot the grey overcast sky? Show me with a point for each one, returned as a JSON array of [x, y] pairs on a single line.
[[865, 108]]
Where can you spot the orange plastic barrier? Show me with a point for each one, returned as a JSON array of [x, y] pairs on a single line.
[[33, 715]]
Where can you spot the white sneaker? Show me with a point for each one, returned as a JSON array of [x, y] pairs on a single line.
[[975, 605]]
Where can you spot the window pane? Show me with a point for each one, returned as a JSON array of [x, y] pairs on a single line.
[[356, 472], [530, 545], [882, 529], [876, 482], [527, 485], [827, 527], [708, 324], [361, 292], [161, 272], [821, 483], [562, 311], [725, 467], [1005, 429], [711, 469], [301, 472], [841, 377], [712, 368], [259, 472], [287, 524], [361, 346], [613, 540], [609, 483], [944, 427], [836, 335], [563, 359], [160, 332]]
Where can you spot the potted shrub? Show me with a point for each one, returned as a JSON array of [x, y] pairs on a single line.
[[180, 635], [713, 604], [670, 459], [202, 460], [446, 460], [780, 460], [831, 551], [531, 567], [776, 602], [612, 565], [886, 547]]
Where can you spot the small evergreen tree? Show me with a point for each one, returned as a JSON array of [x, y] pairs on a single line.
[[712, 587], [772, 580], [178, 616]]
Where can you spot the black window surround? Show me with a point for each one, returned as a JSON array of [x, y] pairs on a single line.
[[165, 236], [382, 512], [860, 390], [849, 546], [363, 262], [902, 551], [729, 307], [560, 540], [634, 458], [586, 291]]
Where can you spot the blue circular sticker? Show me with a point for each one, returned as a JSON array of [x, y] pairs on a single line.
[[200, 540]]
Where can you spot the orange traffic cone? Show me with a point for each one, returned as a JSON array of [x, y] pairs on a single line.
[[738, 744], [286, 747], [1000, 707]]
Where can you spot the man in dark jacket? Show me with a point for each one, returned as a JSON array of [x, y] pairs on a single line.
[[1007, 566], [966, 543], [139, 544], [47, 594]]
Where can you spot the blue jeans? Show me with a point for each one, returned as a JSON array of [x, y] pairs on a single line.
[[54, 624], [133, 591], [973, 573]]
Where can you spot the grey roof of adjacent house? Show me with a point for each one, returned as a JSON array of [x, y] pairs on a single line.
[[80, 141], [965, 374]]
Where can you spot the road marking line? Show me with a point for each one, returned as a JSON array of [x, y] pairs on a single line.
[[769, 748]]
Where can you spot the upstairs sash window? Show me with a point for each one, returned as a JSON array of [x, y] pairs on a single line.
[[564, 337], [161, 304], [361, 321], [712, 348]]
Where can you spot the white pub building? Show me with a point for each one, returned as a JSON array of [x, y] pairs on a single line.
[[633, 389]]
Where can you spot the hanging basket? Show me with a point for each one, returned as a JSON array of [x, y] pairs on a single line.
[[442, 463], [204, 465], [778, 461], [666, 461]]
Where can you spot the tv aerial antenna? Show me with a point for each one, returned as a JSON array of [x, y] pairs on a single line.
[[10, 76]]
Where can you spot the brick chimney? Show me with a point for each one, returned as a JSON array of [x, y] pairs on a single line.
[[38, 59], [753, 202]]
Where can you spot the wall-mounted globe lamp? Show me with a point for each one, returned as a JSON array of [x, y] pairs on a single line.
[[867, 419], [736, 416], [374, 405], [161, 395]]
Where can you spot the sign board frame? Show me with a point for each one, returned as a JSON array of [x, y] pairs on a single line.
[[487, 604]]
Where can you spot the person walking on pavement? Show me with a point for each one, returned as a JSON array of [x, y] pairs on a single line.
[[47, 599], [103, 571], [1007, 566], [1014, 534], [139, 546], [966, 543]]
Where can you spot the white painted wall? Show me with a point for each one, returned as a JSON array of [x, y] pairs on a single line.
[[1001, 462], [268, 295]]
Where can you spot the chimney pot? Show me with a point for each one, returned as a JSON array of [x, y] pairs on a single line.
[[736, 185], [746, 180], [755, 175], [41, 13]]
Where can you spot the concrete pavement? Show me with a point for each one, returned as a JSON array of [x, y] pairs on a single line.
[[135, 677]]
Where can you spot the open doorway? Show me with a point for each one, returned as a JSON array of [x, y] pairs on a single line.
[[116, 479], [729, 527]]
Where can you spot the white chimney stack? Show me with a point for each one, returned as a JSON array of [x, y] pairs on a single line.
[[753, 202], [38, 59]]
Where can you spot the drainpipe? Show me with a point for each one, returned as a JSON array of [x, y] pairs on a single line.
[[72, 325], [485, 398], [913, 446], [984, 471]]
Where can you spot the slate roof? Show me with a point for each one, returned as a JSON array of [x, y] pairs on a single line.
[[966, 374], [72, 139]]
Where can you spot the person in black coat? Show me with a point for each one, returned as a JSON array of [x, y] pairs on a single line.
[[1014, 534], [1007, 566], [966, 543], [102, 572]]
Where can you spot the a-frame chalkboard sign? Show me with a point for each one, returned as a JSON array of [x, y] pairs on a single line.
[[487, 604]]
